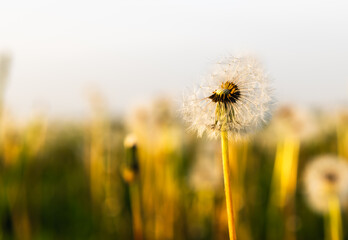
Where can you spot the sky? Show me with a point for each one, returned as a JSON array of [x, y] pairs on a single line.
[[132, 51]]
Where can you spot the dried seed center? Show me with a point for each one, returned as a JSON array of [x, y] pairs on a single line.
[[228, 93], [331, 177], [221, 92]]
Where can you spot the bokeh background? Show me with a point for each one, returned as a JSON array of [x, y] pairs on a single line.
[[79, 78]]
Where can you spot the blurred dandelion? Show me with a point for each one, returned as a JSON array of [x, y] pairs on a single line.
[[130, 175], [291, 125], [131, 169], [295, 122], [326, 185], [205, 174], [234, 101], [160, 159], [5, 64]]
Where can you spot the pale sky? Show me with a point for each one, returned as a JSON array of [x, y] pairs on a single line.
[[134, 50]]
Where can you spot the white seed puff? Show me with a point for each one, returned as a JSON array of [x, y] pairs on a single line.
[[326, 177], [236, 98]]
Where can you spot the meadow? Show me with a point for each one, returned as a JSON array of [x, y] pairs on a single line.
[[145, 176]]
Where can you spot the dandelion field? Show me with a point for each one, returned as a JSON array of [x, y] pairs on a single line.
[[90, 179], [173, 120]]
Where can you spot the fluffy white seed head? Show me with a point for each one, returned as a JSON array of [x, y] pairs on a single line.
[[293, 122], [130, 140], [326, 177], [236, 98]]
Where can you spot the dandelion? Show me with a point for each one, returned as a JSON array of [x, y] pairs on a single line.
[[205, 175], [131, 169], [290, 127], [233, 101], [326, 185], [295, 122], [5, 64], [130, 175]]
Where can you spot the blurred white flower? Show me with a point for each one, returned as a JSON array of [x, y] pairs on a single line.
[[206, 174], [5, 64], [293, 121], [325, 177], [130, 140], [236, 99]]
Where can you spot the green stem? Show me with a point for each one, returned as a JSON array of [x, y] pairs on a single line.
[[228, 193]]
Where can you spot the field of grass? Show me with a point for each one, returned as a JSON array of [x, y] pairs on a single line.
[[80, 180]]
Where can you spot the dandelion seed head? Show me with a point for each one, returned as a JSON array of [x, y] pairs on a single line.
[[294, 122], [235, 98], [130, 141], [324, 177], [205, 173]]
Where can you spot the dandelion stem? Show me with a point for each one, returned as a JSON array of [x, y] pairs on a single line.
[[228, 193], [335, 219]]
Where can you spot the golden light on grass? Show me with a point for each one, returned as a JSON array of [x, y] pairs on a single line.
[[342, 134], [234, 101], [97, 154], [326, 186], [160, 146]]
